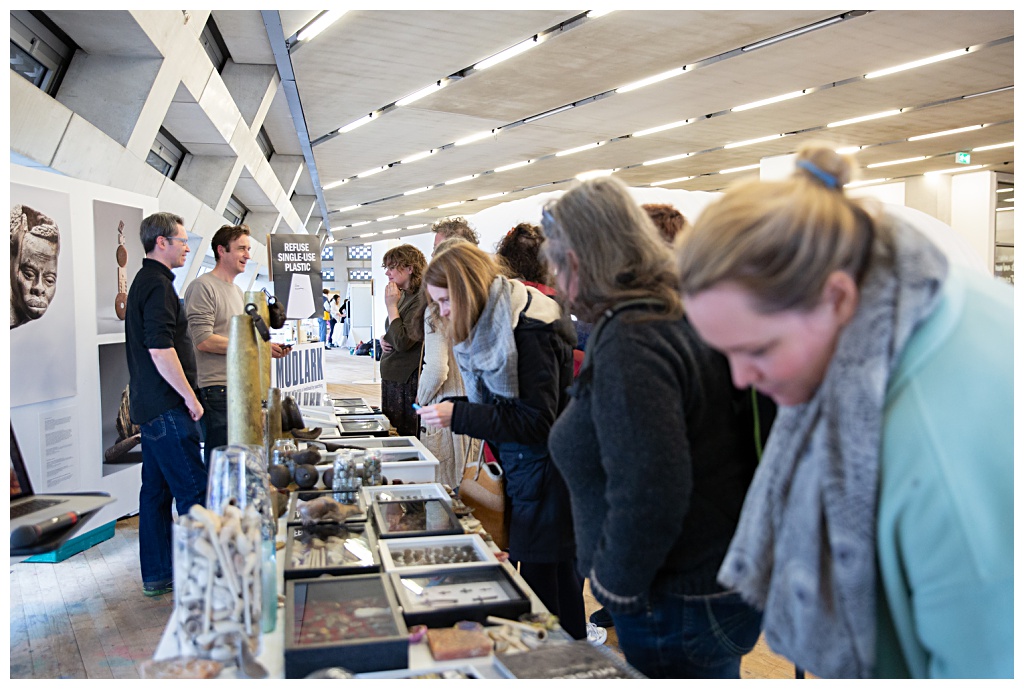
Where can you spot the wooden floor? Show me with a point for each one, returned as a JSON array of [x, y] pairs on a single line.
[[86, 617]]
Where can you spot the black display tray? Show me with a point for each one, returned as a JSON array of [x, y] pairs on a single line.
[[358, 554], [419, 517], [442, 597], [357, 428], [574, 660], [350, 622], [293, 517]]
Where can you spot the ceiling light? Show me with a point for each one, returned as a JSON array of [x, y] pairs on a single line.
[[418, 156], [898, 162], [739, 169], [987, 93], [670, 181], [593, 174], [492, 196], [416, 191], [474, 137], [658, 161], [334, 185], [413, 97], [1005, 190], [416, 227], [417, 211], [1008, 199], [317, 26], [506, 54], [864, 118], [865, 182], [651, 80], [549, 113], [749, 142], [386, 217], [594, 14], [513, 166], [916, 63], [578, 149], [348, 208], [791, 34], [670, 125], [369, 234], [998, 210], [372, 171], [768, 101], [849, 150], [452, 204], [945, 133], [954, 170], [459, 179], [391, 231], [992, 147], [358, 123], [360, 224]]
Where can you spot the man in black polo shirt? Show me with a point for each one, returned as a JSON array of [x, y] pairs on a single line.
[[163, 400]]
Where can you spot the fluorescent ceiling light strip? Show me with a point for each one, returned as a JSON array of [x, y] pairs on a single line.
[[348, 208], [998, 210], [417, 211], [391, 231], [848, 150], [585, 147], [594, 14], [418, 156], [452, 204], [334, 185], [360, 224], [416, 191], [386, 217], [423, 92], [1004, 191], [866, 182], [668, 159], [593, 174], [670, 181], [506, 54], [651, 80], [369, 234], [865, 118], [474, 137], [897, 162], [916, 63], [457, 180], [416, 227], [373, 171], [791, 34], [492, 196], [1008, 199], [670, 125], [992, 147], [739, 169], [954, 170], [549, 113], [988, 93], [513, 166], [945, 133], [769, 101], [357, 123], [318, 25], [750, 142]]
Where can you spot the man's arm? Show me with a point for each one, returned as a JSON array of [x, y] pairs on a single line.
[[169, 367], [213, 344]]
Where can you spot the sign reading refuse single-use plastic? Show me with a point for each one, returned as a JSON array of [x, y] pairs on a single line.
[[295, 270]]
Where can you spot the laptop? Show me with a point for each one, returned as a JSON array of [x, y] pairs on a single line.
[[27, 507]]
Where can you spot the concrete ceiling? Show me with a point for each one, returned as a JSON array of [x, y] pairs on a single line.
[[369, 59]]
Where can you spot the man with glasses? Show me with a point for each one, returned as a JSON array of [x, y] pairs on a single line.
[[163, 399]]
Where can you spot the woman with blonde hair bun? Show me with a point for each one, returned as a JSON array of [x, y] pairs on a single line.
[[878, 531]]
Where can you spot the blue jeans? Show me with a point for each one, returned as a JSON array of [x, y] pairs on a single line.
[[215, 419], [323, 331], [689, 636], [172, 468]]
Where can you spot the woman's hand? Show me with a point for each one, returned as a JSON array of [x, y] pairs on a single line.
[[391, 295], [437, 415]]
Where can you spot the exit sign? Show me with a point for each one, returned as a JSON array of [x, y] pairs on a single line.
[[963, 158]]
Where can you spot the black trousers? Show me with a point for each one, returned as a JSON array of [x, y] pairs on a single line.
[[215, 419]]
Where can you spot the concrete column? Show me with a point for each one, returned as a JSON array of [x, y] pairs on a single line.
[[973, 212], [206, 178], [252, 87], [261, 224]]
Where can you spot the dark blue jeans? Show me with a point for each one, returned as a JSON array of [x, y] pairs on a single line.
[[215, 419], [323, 331], [172, 468], [689, 636]]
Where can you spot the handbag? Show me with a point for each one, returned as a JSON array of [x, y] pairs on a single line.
[[483, 489]]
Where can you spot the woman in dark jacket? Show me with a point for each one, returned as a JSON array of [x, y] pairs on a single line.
[[655, 456], [515, 354], [403, 339]]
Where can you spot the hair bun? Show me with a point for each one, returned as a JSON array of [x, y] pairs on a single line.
[[821, 164]]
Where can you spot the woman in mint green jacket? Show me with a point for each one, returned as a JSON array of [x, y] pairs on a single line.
[[877, 534]]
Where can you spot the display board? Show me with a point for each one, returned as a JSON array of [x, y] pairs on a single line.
[[300, 375], [295, 271]]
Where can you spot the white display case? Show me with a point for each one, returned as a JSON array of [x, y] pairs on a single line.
[[434, 552], [404, 492], [403, 457]]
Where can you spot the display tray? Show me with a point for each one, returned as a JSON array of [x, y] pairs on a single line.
[[408, 555], [349, 622], [294, 518], [330, 549], [353, 410], [403, 458], [443, 596], [420, 517], [356, 428], [348, 401], [451, 670], [574, 660], [404, 491]]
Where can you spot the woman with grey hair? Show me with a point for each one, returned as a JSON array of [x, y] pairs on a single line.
[[656, 458]]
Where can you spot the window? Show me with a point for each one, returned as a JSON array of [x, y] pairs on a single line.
[[327, 274], [263, 141], [359, 252], [328, 254], [213, 42], [235, 211], [360, 275], [166, 154], [40, 51]]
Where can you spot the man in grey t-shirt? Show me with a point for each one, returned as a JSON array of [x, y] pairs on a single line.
[[210, 302]]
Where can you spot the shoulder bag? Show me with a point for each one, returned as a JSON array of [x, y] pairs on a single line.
[[483, 489]]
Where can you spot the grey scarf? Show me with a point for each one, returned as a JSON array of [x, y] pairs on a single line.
[[488, 359], [804, 550]]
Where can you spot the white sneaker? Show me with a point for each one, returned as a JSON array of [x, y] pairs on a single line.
[[596, 635]]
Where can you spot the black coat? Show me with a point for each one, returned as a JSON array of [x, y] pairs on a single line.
[[541, 528]]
